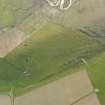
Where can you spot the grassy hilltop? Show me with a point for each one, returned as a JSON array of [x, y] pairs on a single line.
[[50, 51]]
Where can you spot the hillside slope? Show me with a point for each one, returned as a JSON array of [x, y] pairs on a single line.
[[51, 51]]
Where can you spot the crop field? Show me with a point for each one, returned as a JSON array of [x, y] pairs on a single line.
[[7, 44], [53, 93], [51, 51]]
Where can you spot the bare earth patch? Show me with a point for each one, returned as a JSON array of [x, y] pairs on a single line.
[[75, 89], [89, 100], [10, 39], [5, 100]]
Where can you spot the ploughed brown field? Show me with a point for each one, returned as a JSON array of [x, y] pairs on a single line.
[[10, 39]]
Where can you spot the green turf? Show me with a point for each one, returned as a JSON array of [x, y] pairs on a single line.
[[7, 73], [96, 71], [48, 52]]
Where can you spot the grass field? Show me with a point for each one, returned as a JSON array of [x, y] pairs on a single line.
[[47, 53], [96, 71]]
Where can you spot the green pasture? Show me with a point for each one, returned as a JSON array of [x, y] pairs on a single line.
[[47, 53], [96, 72]]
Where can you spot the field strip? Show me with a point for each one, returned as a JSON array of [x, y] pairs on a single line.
[[90, 97], [81, 98], [65, 91], [10, 39], [5, 99], [75, 89], [89, 100]]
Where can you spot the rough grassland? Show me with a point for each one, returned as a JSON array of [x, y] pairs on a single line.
[[96, 71], [49, 52]]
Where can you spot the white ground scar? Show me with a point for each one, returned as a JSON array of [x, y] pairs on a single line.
[[60, 3]]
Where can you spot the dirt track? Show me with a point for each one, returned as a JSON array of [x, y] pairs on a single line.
[[89, 100]]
